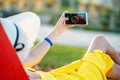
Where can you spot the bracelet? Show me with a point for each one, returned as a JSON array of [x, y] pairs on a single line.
[[49, 41]]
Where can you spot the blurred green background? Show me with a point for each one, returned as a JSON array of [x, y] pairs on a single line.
[[104, 16]]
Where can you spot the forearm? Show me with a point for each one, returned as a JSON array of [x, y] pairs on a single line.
[[38, 52]]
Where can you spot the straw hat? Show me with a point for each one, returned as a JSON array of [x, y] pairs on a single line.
[[22, 30]]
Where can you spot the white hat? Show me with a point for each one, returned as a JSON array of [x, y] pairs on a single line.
[[22, 30]]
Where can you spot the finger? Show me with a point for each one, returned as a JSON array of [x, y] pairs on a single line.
[[69, 26], [64, 20], [63, 14], [66, 11]]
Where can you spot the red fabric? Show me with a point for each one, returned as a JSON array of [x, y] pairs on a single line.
[[10, 66]]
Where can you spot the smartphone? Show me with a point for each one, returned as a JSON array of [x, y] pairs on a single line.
[[76, 18]]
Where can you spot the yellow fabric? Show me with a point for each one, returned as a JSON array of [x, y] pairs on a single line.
[[93, 66]]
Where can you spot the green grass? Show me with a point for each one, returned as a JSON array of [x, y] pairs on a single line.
[[60, 55]]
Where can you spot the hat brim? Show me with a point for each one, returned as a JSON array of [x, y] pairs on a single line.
[[28, 24], [10, 30]]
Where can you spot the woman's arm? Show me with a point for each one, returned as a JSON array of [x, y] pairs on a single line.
[[38, 52]]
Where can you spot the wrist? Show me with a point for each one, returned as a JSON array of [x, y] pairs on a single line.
[[48, 41]]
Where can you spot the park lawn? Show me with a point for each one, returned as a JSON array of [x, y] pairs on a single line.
[[60, 55]]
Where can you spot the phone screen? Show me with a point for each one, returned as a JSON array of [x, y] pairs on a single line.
[[76, 18]]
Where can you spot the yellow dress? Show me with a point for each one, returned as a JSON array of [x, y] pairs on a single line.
[[92, 66]]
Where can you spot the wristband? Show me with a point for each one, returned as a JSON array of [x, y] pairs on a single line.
[[49, 41]]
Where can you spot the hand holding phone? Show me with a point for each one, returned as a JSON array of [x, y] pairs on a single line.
[[76, 18]]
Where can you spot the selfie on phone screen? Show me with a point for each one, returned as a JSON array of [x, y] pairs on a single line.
[[76, 18]]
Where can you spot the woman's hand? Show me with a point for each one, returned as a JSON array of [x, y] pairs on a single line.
[[33, 75], [61, 26]]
